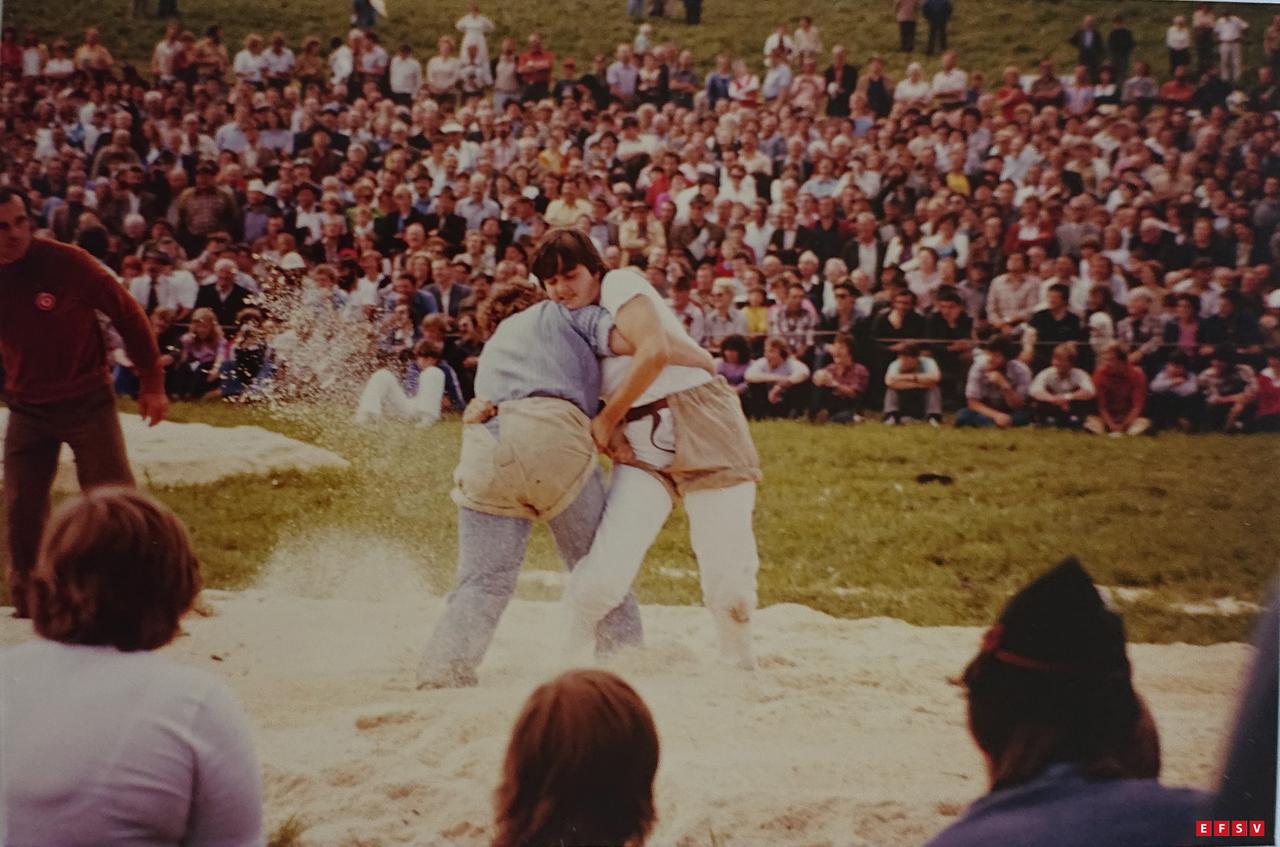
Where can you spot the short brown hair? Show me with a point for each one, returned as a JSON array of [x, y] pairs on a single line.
[[580, 766], [115, 569], [563, 249], [505, 300]]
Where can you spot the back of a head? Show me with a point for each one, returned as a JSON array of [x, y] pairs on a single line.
[[116, 569], [1053, 683], [504, 300], [580, 766]]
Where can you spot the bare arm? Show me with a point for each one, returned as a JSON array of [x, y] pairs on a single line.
[[639, 323], [684, 351]]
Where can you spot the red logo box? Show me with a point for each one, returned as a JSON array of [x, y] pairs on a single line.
[[1228, 829]]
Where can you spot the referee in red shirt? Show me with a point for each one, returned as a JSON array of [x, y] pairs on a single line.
[[56, 381]]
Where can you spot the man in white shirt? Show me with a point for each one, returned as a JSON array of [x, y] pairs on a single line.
[[949, 83], [278, 62], [405, 75], [162, 285], [1229, 28]]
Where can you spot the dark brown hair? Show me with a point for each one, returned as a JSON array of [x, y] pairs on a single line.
[[561, 250], [115, 569], [504, 301], [580, 767], [1025, 720]]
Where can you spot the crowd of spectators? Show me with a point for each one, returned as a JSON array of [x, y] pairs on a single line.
[[1086, 246]]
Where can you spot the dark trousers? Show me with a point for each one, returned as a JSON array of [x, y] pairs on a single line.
[[1050, 414], [36, 433], [168, 9], [1166, 409], [841, 409], [906, 36], [937, 36], [793, 402], [693, 11], [1205, 50], [1178, 58]]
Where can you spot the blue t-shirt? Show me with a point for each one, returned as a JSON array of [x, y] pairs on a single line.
[[1064, 808], [546, 351]]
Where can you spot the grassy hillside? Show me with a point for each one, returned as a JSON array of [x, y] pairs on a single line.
[[989, 34]]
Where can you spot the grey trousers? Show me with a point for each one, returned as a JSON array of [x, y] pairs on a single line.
[[912, 401], [491, 550]]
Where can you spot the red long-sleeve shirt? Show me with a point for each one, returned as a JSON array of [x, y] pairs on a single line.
[[1120, 391], [51, 344]]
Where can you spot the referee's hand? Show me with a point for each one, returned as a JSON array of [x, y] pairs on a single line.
[[153, 407]]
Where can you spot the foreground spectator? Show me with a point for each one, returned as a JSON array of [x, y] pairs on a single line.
[[912, 387], [776, 382], [105, 741], [1062, 393], [997, 388], [1122, 395], [1066, 738], [580, 766]]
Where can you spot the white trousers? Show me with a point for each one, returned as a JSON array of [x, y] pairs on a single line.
[[720, 532], [1231, 62], [383, 394]]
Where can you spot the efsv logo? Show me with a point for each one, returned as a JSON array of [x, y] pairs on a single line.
[[1231, 829]]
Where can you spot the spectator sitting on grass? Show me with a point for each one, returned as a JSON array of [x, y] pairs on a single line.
[[776, 382], [1267, 414], [912, 387], [580, 766], [1062, 394], [1173, 398], [839, 389], [996, 390], [732, 364], [416, 397], [1052, 708], [1229, 391], [1122, 395]]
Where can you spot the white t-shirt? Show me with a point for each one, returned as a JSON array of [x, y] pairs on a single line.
[[616, 290], [103, 747]]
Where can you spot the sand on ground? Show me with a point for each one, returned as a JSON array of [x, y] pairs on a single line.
[[170, 454], [849, 733]]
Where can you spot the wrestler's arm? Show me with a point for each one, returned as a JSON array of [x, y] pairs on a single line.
[[684, 350]]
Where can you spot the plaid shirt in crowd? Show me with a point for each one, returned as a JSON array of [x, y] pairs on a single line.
[[1237, 380], [797, 330]]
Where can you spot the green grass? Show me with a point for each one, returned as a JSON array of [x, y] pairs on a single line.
[[988, 35], [842, 524]]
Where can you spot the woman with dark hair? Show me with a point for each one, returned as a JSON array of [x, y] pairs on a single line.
[[580, 767], [735, 358], [106, 741], [1072, 752]]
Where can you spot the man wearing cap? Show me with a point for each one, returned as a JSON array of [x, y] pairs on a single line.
[[1072, 752], [56, 383], [204, 208]]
